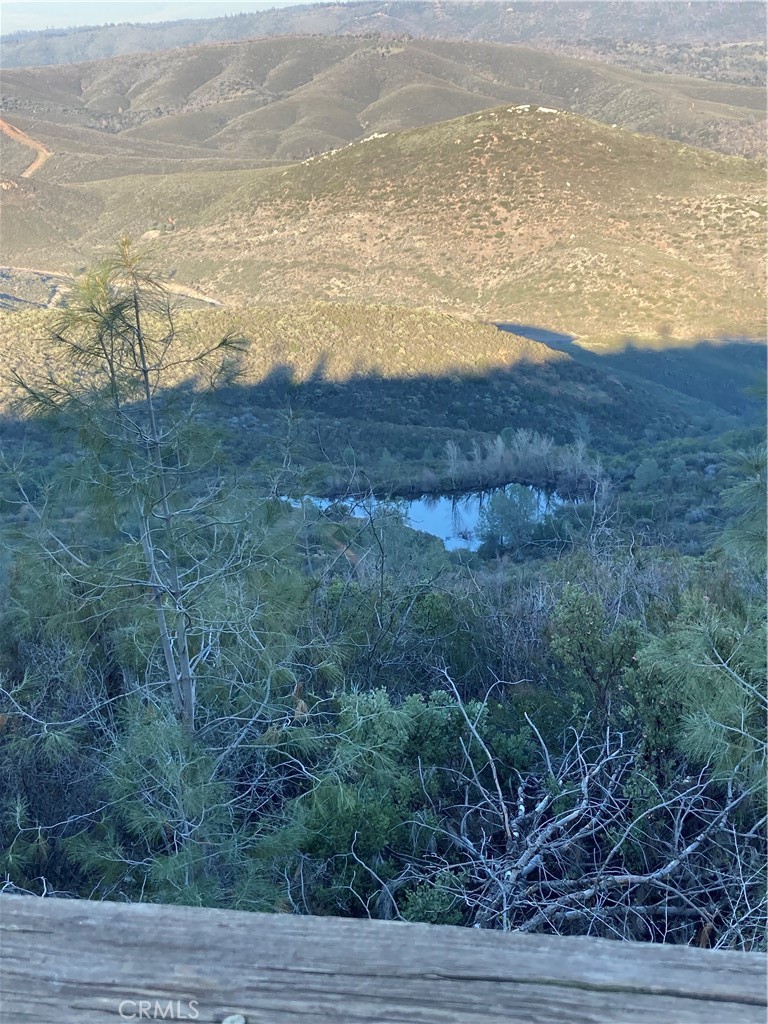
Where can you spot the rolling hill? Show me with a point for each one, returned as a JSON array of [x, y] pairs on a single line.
[[424, 378], [272, 101], [519, 214]]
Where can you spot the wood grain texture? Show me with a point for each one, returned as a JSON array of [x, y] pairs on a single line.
[[73, 961]]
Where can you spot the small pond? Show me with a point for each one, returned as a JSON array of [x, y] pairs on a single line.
[[458, 520]]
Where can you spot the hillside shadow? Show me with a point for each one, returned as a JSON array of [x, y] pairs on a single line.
[[374, 424], [552, 339], [718, 372]]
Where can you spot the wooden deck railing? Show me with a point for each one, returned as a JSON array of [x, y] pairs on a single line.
[[80, 962]]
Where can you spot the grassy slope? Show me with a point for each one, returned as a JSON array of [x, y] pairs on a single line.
[[15, 157], [421, 377], [286, 99], [523, 216], [342, 339]]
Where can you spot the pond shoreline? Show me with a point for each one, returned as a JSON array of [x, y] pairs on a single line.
[[454, 518]]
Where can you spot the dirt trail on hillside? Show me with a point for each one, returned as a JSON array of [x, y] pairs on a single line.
[[190, 293], [19, 136], [37, 271], [174, 289]]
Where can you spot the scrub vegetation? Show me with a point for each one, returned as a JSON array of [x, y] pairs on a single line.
[[394, 268]]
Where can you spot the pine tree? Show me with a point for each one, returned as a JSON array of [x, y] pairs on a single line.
[[123, 355], [714, 655]]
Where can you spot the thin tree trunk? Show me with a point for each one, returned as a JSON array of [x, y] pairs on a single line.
[[184, 677]]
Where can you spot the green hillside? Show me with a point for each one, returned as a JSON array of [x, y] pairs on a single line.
[[346, 339], [423, 378], [521, 215], [285, 99]]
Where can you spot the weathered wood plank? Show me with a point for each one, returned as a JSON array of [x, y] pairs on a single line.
[[70, 961]]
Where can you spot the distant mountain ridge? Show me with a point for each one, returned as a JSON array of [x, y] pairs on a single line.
[[277, 100], [516, 21]]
